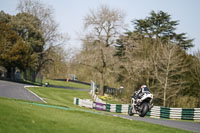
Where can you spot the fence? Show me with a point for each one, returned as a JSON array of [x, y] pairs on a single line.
[[92, 93], [19, 76]]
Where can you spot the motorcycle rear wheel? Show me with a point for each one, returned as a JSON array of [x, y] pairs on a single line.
[[144, 109]]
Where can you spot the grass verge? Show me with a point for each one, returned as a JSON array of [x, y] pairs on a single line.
[[57, 96], [18, 116], [110, 100]]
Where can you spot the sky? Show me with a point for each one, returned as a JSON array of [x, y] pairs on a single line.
[[69, 14]]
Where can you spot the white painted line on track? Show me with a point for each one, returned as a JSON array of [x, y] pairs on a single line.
[[34, 93]]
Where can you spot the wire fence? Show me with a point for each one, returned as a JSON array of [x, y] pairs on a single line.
[[22, 76]]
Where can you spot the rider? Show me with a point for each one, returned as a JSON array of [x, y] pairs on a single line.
[[138, 94]]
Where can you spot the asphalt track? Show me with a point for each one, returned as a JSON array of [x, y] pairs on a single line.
[[184, 125], [17, 91]]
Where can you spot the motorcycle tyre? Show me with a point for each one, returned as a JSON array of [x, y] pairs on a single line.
[[130, 113], [145, 109]]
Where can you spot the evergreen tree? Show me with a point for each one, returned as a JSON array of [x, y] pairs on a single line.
[[159, 25], [27, 28], [14, 51]]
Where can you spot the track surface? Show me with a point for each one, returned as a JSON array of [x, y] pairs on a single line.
[[65, 87], [189, 126], [17, 91]]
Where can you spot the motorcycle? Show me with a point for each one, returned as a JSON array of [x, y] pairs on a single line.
[[141, 106]]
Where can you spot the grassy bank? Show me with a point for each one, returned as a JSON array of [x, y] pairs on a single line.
[[18, 116], [110, 99], [59, 96]]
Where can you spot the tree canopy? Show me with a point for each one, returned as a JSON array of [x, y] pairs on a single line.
[[14, 51], [160, 25], [37, 30]]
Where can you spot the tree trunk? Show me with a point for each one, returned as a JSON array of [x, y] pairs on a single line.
[[166, 78], [8, 73], [102, 84], [33, 75], [25, 75], [164, 97]]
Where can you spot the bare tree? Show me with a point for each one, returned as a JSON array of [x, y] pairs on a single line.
[[169, 68], [196, 67], [134, 66], [45, 14], [48, 26], [105, 24], [58, 67], [102, 27], [161, 67], [99, 59], [195, 71]]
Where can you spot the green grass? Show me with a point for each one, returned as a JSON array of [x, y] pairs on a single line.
[[61, 115], [82, 86], [59, 96], [17, 116], [69, 84]]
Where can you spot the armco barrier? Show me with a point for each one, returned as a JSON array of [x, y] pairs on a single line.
[[175, 113], [119, 108], [99, 106], [156, 111], [84, 102]]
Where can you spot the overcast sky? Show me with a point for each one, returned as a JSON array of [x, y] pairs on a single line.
[[69, 14]]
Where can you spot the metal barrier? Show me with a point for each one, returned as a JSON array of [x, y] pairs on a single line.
[[175, 113]]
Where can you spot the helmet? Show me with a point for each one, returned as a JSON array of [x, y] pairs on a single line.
[[143, 86]]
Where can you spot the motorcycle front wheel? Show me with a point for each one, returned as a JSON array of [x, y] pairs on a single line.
[[130, 111], [144, 109]]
